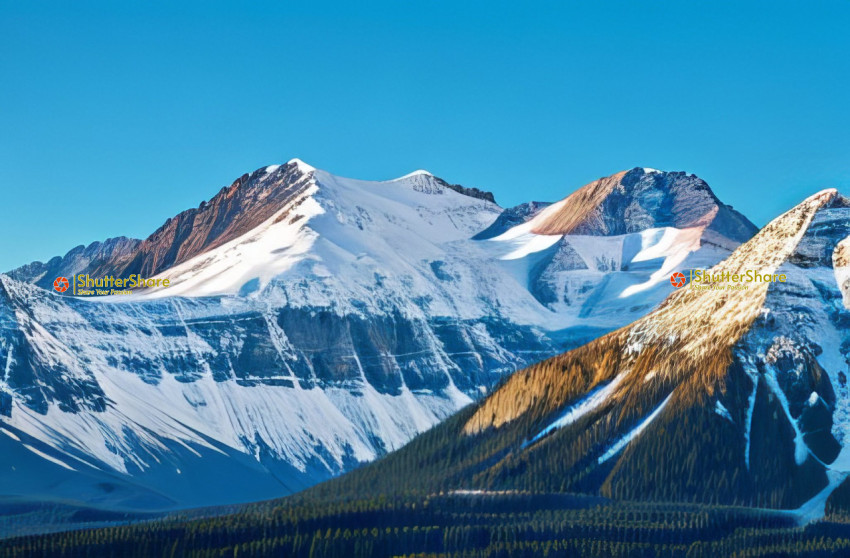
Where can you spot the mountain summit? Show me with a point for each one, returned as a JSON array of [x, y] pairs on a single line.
[[632, 201]]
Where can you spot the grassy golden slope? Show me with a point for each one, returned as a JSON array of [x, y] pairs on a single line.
[[579, 207]]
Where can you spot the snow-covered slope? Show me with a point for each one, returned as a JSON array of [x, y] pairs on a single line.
[[313, 322]]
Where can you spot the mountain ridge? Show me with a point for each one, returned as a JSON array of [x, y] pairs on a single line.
[[230, 213]]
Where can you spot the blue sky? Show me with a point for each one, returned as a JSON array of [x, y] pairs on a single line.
[[116, 116]]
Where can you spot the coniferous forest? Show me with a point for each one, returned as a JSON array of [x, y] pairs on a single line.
[[459, 525], [412, 503]]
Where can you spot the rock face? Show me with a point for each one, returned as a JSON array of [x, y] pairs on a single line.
[[643, 199], [313, 323], [721, 396], [471, 192]]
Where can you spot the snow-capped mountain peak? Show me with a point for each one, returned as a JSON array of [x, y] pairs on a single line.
[[301, 165], [419, 172], [328, 222]]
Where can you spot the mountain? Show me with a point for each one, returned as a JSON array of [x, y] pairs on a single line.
[[672, 436], [314, 323], [721, 396]]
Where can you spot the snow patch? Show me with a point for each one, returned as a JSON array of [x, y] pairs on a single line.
[[801, 450], [751, 405], [624, 441], [722, 411], [49, 458], [419, 172], [674, 247], [596, 397], [815, 508], [10, 434], [302, 166]]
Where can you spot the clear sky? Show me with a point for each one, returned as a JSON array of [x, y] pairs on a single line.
[[118, 115]]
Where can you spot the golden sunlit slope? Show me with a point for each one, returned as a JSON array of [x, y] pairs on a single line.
[[578, 208]]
